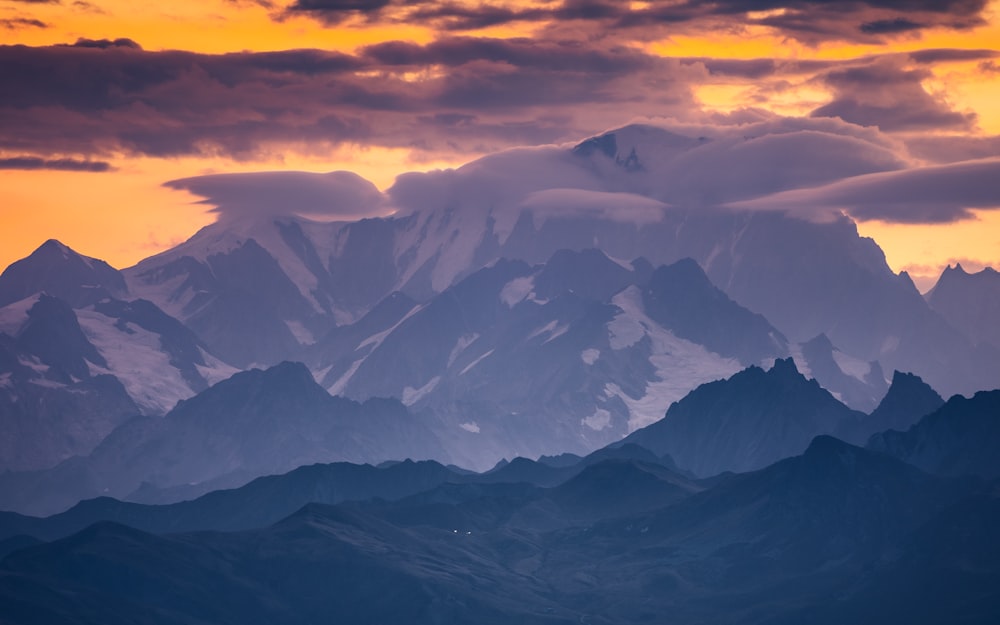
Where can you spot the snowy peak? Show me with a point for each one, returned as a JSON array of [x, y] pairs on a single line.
[[53, 334], [589, 274], [57, 270], [859, 384], [682, 298], [230, 292]]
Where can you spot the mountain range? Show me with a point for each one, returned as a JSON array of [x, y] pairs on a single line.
[[563, 384], [533, 302], [838, 532]]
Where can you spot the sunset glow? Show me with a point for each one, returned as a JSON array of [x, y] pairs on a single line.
[[189, 88]]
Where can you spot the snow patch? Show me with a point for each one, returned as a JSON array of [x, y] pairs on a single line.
[[134, 355], [552, 328], [624, 330], [300, 332], [890, 344], [413, 395], [556, 333], [337, 388], [515, 291], [590, 356], [46, 383], [854, 367], [471, 426], [460, 346], [474, 363], [598, 421], [33, 363], [624, 264], [376, 339], [795, 351], [214, 370], [620, 207], [680, 365], [448, 239], [14, 316]]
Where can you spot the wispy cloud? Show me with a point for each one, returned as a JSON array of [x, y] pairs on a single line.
[[932, 194], [60, 164]]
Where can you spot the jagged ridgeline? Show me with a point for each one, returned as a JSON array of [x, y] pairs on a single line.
[[557, 385]]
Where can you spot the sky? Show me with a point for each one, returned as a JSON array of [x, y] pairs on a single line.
[[107, 104]]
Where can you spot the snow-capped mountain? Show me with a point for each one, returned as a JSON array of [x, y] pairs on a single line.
[[158, 359], [51, 404], [638, 191], [254, 423], [567, 355], [535, 301], [59, 271]]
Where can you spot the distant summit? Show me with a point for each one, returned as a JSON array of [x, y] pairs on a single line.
[[57, 270], [909, 398], [753, 419], [970, 302]]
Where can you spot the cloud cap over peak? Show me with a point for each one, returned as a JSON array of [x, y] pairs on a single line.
[[333, 196], [933, 194]]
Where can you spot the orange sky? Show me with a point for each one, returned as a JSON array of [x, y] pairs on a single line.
[[125, 215]]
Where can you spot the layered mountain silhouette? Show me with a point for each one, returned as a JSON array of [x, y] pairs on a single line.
[[255, 423], [570, 384], [959, 438], [837, 532]]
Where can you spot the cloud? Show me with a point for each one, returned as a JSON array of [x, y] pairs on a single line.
[[890, 26], [104, 44], [812, 21], [944, 55], [643, 167], [337, 195], [107, 97], [19, 23], [887, 94], [932, 194], [29, 163], [618, 206], [953, 148], [336, 11]]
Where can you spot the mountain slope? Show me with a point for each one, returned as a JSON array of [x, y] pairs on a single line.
[[960, 438], [754, 418], [860, 385], [60, 272], [51, 406], [561, 356], [255, 423], [969, 302], [643, 192], [909, 399]]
